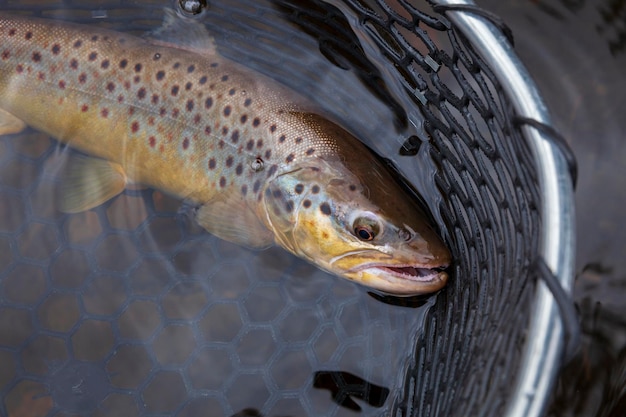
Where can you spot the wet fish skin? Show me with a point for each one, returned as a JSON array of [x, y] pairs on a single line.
[[261, 162]]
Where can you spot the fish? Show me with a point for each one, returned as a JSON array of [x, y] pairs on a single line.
[[262, 165]]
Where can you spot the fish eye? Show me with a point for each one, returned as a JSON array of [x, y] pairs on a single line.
[[366, 228]]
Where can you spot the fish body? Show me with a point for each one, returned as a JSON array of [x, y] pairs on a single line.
[[261, 163]]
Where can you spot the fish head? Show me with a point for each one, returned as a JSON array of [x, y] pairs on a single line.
[[358, 225]]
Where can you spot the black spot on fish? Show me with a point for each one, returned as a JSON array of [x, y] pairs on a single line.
[[190, 105], [229, 161], [155, 99], [82, 78], [298, 139], [224, 130], [268, 154], [231, 92], [94, 38], [56, 49], [306, 203], [244, 189], [247, 102], [36, 57], [224, 77], [28, 35], [259, 143], [105, 64], [290, 158], [250, 144], [93, 56], [277, 193], [352, 187], [234, 138], [310, 151], [73, 64], [123, 63], [222, 182], [257, 185], [160, 75], [162, 111], [282, 138], [214, 65], [185, 143], [137, 79], [176, 65], [273, 128], [191, 68], [272, 170], [78, 43], [243, 118], [208, 102], [239, 169], [299, 188], [315, 189], [175, 90], [141, 94], [203, 80], [212, 163], [188, 86], [137, 67], [256, 122], [207, 130], [325, 208], [227, 111], [289, 206]]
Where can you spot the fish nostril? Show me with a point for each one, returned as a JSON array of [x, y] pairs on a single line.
[[405, 234]]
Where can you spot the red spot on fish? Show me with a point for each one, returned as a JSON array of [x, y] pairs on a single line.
[[5, 54], [225, 130], [137, 79], [120, 98], [82, 78], [73, 64], [12, 32], [78, 43], [41, 76], [185, 143], [105, 64], [197, 118], [151, 121], [28, 35], [127, 85], [222, 182], [207, 130], [61, 84], [155, 98], [161, 148], [84, 108], [104, 112], [93, 56], [56, 48], [152, 141], [131, 111], [162, 111], [110, 87], [220, 144], [141, 94], [134, 127], [175, 113]]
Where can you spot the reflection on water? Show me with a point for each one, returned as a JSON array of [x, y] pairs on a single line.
[[574, 49]]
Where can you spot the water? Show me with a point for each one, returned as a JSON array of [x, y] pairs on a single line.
[[131, 309], [576, 54]]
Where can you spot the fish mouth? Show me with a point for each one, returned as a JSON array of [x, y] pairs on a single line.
[[411, 273]]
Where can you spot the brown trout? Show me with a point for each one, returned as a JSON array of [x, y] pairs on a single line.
[[261, 163]]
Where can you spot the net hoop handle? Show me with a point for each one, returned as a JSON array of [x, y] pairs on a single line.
[[542, 354]]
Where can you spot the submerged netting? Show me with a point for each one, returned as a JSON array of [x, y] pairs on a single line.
[[129, 309]]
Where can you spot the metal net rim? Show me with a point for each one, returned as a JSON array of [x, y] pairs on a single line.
[[542, 353]]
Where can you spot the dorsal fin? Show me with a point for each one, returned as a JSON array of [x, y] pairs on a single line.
[[181, 32]]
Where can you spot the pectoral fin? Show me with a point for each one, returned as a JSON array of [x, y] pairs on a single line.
[[232, 220], [10, 124], [90, 182]]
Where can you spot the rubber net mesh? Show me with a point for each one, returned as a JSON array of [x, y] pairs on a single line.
[[129, 309]]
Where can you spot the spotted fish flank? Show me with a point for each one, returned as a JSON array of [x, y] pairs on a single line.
[[263, 165]]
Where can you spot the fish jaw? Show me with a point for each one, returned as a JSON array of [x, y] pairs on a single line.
[[403, 280]]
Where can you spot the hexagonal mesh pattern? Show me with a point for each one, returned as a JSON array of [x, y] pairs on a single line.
[[130, 309]]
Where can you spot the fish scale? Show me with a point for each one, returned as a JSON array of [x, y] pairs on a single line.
[[169, 112]]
